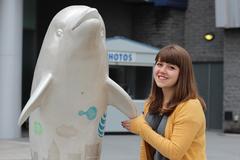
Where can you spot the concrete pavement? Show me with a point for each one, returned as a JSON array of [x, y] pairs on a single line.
[[126, 147], [223, 146]]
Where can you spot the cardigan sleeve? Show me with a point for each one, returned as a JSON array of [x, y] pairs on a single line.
[[188, 120]]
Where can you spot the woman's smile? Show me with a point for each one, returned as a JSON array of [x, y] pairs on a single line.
[[161, 77]]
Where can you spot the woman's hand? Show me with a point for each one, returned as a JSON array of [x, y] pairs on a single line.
[[126, 124], [134, 125]]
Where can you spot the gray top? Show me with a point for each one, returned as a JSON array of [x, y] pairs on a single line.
[[158, 124]]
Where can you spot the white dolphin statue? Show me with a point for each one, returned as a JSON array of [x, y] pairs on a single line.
[[71, 89]]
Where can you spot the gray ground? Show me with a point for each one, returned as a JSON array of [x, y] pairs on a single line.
[[126, 147]]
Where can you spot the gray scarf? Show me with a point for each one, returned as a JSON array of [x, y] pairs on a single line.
[[158, 124]]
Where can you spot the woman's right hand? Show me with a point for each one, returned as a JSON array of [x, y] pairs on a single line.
[[134, 125]]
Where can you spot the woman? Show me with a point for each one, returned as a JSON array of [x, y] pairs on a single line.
[[173, 125]]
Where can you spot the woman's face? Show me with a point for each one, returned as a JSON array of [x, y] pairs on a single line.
[[165, 75]]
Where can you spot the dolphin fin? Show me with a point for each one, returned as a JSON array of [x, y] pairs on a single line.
[[120, 99], [35, 98]]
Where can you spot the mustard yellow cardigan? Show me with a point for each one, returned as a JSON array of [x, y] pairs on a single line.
[[184, 137]]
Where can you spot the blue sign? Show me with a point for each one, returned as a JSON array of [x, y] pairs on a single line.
[[182, 4], [121, 56]]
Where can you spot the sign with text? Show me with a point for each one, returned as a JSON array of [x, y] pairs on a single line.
[[121, 56]]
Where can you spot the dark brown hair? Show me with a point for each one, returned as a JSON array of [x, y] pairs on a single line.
[[185, 87]]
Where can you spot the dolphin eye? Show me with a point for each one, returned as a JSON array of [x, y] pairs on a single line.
[[59, 33]]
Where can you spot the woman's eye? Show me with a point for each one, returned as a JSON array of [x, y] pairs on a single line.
[[174, 67], [171, 67], [159, 64]]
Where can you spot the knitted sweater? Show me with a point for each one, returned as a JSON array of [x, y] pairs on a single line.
[[184, 137]]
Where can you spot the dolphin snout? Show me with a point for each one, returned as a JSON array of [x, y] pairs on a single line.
[[91, 13]]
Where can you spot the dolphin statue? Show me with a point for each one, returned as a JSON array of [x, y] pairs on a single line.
[[71, 89]]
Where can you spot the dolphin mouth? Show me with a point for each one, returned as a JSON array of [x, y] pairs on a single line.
[[90, 14]]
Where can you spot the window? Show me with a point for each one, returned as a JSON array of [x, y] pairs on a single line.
[[135, 80]]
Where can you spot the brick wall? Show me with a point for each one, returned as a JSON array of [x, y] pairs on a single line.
[[232, 77], [200, 19], [158, 26]]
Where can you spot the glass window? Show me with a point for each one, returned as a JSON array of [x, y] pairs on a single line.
[[135, 80]]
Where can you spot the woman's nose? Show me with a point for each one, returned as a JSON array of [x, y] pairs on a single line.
[[162, 69]]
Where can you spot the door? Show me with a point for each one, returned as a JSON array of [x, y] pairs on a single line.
[[209, 77]]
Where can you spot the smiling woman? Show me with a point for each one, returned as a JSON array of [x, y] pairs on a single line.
[[173, 125]]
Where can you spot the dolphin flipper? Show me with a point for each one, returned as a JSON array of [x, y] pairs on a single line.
[[120, 99], [35, 98]]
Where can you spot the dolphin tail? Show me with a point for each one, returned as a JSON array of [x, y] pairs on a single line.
[[35, 98], [120, 99]]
